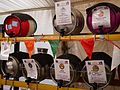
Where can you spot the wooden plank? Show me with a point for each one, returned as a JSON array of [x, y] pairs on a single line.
[[33, 85]]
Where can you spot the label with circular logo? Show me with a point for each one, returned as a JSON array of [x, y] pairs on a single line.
[[62, 69]]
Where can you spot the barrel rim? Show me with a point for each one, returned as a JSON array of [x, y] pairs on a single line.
[[102, 4], [3, 70]]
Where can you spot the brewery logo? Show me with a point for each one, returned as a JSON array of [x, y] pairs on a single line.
[[61, 66], [95, 68], [101, 13], [30, 65]]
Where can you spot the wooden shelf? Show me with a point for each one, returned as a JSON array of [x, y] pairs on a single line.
[[33, 85], [38, 38]]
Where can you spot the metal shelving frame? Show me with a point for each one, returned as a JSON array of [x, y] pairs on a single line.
[[38, 38]]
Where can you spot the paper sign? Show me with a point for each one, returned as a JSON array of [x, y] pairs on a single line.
[[62, 69], [96, 71], [5, 50], [101, 17], [63, 12], [14, 23], [9, 27], [30, 66], [115, 58]]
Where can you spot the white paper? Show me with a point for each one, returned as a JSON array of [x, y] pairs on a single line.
[[14, 23], [63, 12], [115, 58], [30, 66], [62, 69], [9, 27], [96, 71], [101, 17], [5, 50]]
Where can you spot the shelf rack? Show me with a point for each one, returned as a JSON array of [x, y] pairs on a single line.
[[33, 86], [38, 38]]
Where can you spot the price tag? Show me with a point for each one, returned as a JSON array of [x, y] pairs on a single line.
[[62, 69], [63, 12], [96, 71], [5, 50], [30, 66]]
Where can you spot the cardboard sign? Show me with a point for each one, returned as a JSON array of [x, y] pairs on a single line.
[[5, 50], [30, 66], [101, 17], [63, 12], [62, 69], [96, 71]]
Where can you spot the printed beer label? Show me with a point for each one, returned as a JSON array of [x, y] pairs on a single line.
[[63, 12], [96, 71], [101, 17], [62, 69]]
